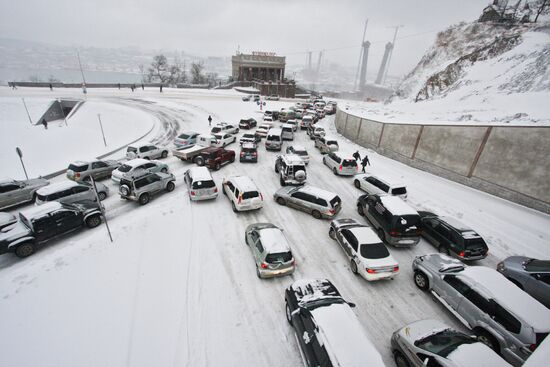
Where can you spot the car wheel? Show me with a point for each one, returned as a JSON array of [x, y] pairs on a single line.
[[421, 280], [353, 267], [87, 179], [443, 250], [360, 210], [276, 169], [25, 249], [144, 199], [232, 159], [331, 233], [381, 234], [316, 214], [281, 201], [223, 190], [258, 272], [102, 195], [164, 170], [147, 158], [234, 207], [288, 314], [334, 171], [518, 284], [487, 339], [217, 166], [400, 360], [357, 184], [199, 161], [170, 186], [164, 154], [93, 221]]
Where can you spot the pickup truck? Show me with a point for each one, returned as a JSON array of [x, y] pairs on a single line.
[[195, 153], [216, 157]]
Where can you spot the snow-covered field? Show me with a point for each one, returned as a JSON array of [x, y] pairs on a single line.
[[178, 286]]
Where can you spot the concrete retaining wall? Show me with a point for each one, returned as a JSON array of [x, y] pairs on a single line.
[[506, 161]]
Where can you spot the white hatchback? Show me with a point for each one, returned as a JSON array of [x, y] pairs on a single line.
[[242, 193]]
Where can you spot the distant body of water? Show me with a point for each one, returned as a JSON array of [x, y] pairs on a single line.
[[66, 76]]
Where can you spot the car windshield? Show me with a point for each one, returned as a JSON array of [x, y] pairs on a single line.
[[537, 265], [444, 342], [300, 152], [250, 194], [249, 136], [216, 129], [399, 191], [207, 184], [125, 168], [78, 168], [281, 257], [332, 142], [131, 149], [474, 243], [407, 222], [183, 136], [24, 220], [273, 138], [374, 251]]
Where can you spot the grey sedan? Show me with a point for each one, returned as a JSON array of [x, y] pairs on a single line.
[[531, 275], [13, 192], [432, 343]]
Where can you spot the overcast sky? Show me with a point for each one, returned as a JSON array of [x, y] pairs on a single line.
[[218, 27]]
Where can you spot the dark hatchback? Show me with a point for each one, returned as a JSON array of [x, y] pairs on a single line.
[[249, 153], [247, 123], [452, 237]]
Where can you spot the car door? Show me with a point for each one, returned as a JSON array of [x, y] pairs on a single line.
[[99, 169], [154, 183], [151, 167], [80, 193], [9, 194], [369, 185], [305, 332], [441, 235], [538, 285], [66, 220], [44, 228], [257, 251], [429, 225], [349, 239], [230, 190], [451, 289], [475, 308]]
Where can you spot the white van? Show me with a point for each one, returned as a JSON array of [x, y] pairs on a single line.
[[375, 184], [288, 131], [274, 139]]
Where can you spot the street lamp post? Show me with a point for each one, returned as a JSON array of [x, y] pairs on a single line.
[[20, 154], [101, 126]]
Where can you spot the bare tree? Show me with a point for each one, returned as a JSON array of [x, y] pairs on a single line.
[[159, 69], [196, 73], [542, 4]]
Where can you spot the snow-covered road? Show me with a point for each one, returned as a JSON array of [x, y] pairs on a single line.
[[178, 286]]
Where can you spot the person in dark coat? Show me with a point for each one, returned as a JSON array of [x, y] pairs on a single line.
[[142, 86], [357, 156], [209, 120], [51, 86], [161, 88], [119, 86], [365, 161], [45, 123]]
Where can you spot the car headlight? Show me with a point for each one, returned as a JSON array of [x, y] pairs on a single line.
[[500, 267]]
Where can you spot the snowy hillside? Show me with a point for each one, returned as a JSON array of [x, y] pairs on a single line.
[[477, 72]]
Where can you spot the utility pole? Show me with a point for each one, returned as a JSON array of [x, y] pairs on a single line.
[[26, 109], [20, 154], [101, 207], [81, 72], [101, 126], [360, 55], [391, 52]]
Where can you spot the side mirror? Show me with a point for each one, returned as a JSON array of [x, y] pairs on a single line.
[[351, 304]]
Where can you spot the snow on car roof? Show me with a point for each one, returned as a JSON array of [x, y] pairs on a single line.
[[315, 191], [139, 145], [475, 355], [55, 187], [397, 206], [200, 173], [344, 337], [41, 210], [457, 224], [293, 159], [244, 183], [136, 162], [509, 296], [299, 148], [365, 235], [275, 131], [385, 179], [80, 163], [273, 240]]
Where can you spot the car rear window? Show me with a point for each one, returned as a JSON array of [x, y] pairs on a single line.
[[78, 168], [250, 194], [336, 201], [374, 251], [207, 184], [349, 163], [273, 138], [183, 136], [249, 149], [281, 257], [216, 129], [537, 265], [301, 152], [332, 142], [399, 191], [131, 149], [125, 168], [404, 222], [474, 243]]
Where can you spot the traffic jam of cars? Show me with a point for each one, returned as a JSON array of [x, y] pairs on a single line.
[[506, 309]]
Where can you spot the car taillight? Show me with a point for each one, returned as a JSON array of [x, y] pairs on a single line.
[[340, 167], [394, 233], [461, 254], [261, 197], [240, 199], [77, 175], [215, 189], [396, 268], [532, 347], [293, 262], [254, 154], [332, 211], [192, 193], [242, 154], [370, 271], [264, 266]]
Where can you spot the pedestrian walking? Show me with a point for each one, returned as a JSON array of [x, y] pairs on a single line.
[[161, 88], [132, 88], [357, 156], [45, 123], [51, 86], [142, 86], [365, 162], [118, 86], [209, 120]]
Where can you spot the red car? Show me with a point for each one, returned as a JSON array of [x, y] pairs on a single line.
[[216, 157]]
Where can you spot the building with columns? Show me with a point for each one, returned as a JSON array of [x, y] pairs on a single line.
[[259, 66]]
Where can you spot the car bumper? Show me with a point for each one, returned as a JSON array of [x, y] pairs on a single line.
[[115, 179], [247, 207], [203, 197], [245, 159], [268, 273], [403, 242], [378, 276], [273, 147]]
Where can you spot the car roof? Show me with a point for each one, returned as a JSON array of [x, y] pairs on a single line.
[[249, 146], [315, 191], [365, 235], [81, 163], [57, 186], [275, 131], [459, 226], [397, 206], [495, 285], [273, 240], [293, 159], [385, 179], [136, 162], [41, 210], [200, 173], [475, 355], [244, 183], [139, 145], [344, 337], [299, 148]]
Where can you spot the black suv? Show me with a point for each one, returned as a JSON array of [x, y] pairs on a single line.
[[247, 123], [452, 237], [46, 222], [321, 318]]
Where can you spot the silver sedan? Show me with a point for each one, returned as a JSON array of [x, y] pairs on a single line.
[[14, 192]]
